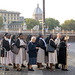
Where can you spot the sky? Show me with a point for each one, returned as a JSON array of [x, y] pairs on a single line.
[[59, 9]]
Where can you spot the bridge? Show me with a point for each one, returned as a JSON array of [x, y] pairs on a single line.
[[71, 34]]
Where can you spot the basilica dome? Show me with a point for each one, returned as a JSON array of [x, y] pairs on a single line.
[[37, 10]]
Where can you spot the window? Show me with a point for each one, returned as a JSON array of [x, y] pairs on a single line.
[[18, 15], [40, 17], [8, 17], [2, 15], [8, 22], [8, 14], [11, 18], [14, 18], [15, 15], [5, 14], [36, 18], [11, 14], [17, 18]]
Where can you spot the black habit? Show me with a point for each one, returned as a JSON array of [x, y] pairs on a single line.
[[42, 44], [62, 53], [5, 44]]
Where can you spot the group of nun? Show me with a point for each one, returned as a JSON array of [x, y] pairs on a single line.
[[33, 52]]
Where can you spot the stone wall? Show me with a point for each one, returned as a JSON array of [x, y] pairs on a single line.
[[71, 38]]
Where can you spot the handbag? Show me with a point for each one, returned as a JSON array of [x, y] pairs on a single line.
[[49, 48], [14, 49]]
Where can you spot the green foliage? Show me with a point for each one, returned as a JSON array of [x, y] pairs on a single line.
[[1, 22], [31, 23], [51, 23], [69, 25]]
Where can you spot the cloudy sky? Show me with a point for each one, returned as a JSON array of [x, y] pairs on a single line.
[[58, 9]]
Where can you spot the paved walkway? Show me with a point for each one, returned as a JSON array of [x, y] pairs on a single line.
[[71, 68]]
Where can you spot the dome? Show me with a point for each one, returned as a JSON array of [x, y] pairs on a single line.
[[37, 10]]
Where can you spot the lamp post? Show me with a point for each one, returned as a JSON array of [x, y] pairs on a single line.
[[43, 19], [6, 26]]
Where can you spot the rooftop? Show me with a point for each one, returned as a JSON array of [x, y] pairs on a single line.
[[10, 12]]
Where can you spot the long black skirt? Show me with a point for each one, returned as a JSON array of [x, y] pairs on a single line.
[[32, 60], [62, 56]]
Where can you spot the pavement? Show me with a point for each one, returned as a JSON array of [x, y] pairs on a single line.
[[71, 68]]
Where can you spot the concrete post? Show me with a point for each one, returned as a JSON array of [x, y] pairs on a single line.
[[31, 31], [72, 31], [20, 30], [7, 30], [63, 31], [53, 31]]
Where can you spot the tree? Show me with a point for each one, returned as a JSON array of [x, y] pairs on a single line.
[[31, 23], [69, 25], [1, 22], [52, 23]]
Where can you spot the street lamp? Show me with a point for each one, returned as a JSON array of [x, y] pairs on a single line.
[[43, 18]]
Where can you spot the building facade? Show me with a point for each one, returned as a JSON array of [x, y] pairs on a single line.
[[10, 16], [15, 25], [21, 18], [37, 14]]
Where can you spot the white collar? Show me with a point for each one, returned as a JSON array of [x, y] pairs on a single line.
[[41, 38], [6, 39], [43, 41], [52, 39], [58, 38]]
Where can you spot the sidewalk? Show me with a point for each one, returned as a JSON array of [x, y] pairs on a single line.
[[71, 68]]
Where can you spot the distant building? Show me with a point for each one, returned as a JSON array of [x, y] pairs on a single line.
[[40, 21], [15, 25], [10, 16], [37, 14], [21, 18]]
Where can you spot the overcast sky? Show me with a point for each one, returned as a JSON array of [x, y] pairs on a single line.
[[58, 9]]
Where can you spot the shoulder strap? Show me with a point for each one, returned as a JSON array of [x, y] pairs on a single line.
[[49, 41], [31, 43]]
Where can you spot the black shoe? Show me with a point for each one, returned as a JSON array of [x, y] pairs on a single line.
[[31, 70], [38, 66], [23, 66], [42, 65], [14, 67], [19, 69], [64, 69], [47, 67], [6, 69], [10, 64], [57, 68]]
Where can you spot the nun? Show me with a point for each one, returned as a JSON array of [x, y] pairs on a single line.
[[28, 39], [20, 57], [62, 53], [4, 54], [13, 41], [52, 55], [37, 43], [10, 54], [41, 52], [46, 53]]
